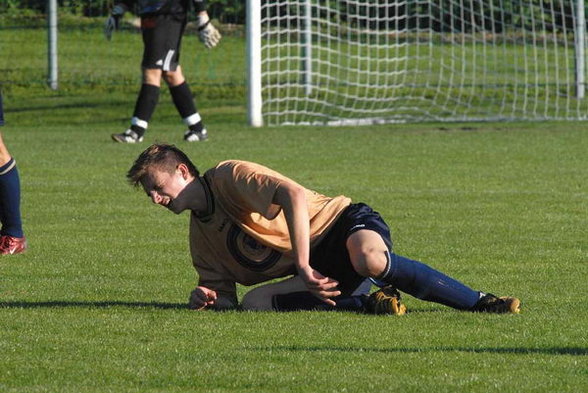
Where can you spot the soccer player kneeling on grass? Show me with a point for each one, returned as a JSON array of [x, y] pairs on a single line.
[[162, 24], [12, 239], [250, 224]]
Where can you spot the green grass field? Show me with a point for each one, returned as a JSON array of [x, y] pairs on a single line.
[[97, 304]]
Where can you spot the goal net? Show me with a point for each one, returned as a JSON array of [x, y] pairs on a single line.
[[383, 61]]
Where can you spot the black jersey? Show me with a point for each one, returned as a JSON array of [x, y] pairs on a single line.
[[160, 7]]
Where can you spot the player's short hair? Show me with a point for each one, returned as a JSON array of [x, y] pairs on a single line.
[[161, 156]]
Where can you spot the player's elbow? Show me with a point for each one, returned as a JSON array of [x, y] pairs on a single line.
[[297, 193], [290, 195]]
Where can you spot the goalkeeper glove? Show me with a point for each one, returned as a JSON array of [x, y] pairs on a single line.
[[207, 33], [112, 22]]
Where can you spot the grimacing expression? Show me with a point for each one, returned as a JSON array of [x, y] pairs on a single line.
[[163, 187]]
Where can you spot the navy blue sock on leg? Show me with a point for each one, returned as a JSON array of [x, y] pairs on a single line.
[[146, 102], [183, 99], [144, 108], [296, 301], [10, 200], [184, 102], [426, 283]]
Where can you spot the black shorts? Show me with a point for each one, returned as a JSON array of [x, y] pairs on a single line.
[[330, 256], [162, 37]]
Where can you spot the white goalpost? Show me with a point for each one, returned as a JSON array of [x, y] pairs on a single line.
[[353, 62]]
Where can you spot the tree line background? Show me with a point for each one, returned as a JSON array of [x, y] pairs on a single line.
[[226, 11], [438, 15]]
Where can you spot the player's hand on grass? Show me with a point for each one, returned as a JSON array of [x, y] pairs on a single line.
[[207, 33], [320, 286], [113, 20], [201, 297]]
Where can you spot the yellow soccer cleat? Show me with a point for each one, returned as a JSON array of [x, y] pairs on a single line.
[[385, 301], [500, 305]]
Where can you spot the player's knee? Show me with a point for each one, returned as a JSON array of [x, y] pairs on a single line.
[[173, 78], [152, 77], [257, 300], [369, 261], [4, 155], [4, 158]]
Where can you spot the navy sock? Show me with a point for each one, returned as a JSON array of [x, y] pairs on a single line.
[[146, 102], [296, 301], [426, 283], [184, 102], [10, 200]]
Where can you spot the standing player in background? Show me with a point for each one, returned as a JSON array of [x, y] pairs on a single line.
[[162, 24], [12, 239]]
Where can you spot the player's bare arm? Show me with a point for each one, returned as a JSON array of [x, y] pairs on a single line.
[[292, 199]]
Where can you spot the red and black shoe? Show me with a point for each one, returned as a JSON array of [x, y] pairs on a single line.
[[12, 245]]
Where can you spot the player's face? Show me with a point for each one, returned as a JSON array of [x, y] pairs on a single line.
[[163, 187]]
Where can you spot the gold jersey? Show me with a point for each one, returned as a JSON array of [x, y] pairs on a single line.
[[243, 237]]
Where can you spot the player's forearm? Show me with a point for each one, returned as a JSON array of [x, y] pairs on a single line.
[[299, 229], [292, 199]]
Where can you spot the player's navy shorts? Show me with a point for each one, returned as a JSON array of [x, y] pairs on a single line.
[[330, 256], [162, 37]]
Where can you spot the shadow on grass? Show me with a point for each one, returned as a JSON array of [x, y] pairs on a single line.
[[103, 304], [576, 351]]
